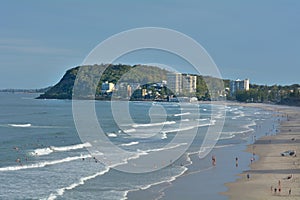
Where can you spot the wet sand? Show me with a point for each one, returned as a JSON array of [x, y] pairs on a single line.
[[207, 185], [272, 170]]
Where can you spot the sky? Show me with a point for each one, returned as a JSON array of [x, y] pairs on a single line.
[[40, 40]]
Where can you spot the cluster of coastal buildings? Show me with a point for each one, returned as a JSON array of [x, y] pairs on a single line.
[[179, 84]]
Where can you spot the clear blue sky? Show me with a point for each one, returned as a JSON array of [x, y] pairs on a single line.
[[257, 39]]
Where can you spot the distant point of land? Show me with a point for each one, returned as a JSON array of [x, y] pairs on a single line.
[[149, 83]]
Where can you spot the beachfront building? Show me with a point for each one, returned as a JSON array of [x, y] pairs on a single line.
[[174, 82], [129, 91], [144, 92], [107, 87], [181, 83], [189, 83], [239, 85]]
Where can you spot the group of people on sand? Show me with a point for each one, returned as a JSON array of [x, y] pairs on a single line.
[[278, 190], [214, 160]]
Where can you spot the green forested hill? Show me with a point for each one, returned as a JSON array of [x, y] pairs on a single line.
[[112, 73]]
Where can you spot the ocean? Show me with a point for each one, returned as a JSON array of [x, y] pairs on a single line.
[[42, 156]]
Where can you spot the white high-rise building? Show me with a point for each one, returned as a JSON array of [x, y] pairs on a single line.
[[174, 82], [179, 83], [239, 85], [247, 84], [189, 83]]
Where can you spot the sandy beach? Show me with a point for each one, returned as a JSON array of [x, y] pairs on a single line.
[[269, 169], [273, 176], [208, 182]]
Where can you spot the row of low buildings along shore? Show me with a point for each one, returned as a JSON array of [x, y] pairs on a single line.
[[182, 87]]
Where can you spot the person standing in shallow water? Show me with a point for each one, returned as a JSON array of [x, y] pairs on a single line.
[[236, 161], [213, 158]]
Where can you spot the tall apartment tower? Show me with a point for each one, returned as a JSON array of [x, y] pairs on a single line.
[[174, 82], [189, 83], [246, 84], [239, 85], [180, 83]]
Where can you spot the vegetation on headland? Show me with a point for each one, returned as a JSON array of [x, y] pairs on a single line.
[[284, 95], [92, 77], [149, 76]]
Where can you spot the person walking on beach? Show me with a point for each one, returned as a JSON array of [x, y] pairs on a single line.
[[248, 176], [290, 191]]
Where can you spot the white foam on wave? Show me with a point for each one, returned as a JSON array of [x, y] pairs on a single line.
[[204, 119], [232, 109], [20, 125], [178, 129], [51, 149], [239, 116], [247, 129], [188, 127], [129, 130], [252, 123], [129, 144], [27, 125], [153, 124], [164, 136], [72, 147], [61, 191], [112, 135], [43, 164], [227, 137], [185, 120], [182, 114], [232, 134], [223, 146], [165, 148], [42, 151], [203, 149], [169, 180], [146, 152]]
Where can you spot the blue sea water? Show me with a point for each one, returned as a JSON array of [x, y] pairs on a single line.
[[43, 157]]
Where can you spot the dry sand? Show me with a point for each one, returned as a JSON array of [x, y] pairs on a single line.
[[272, 169]]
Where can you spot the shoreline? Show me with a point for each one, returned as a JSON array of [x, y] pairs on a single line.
[[186, 186], [272, 170]]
